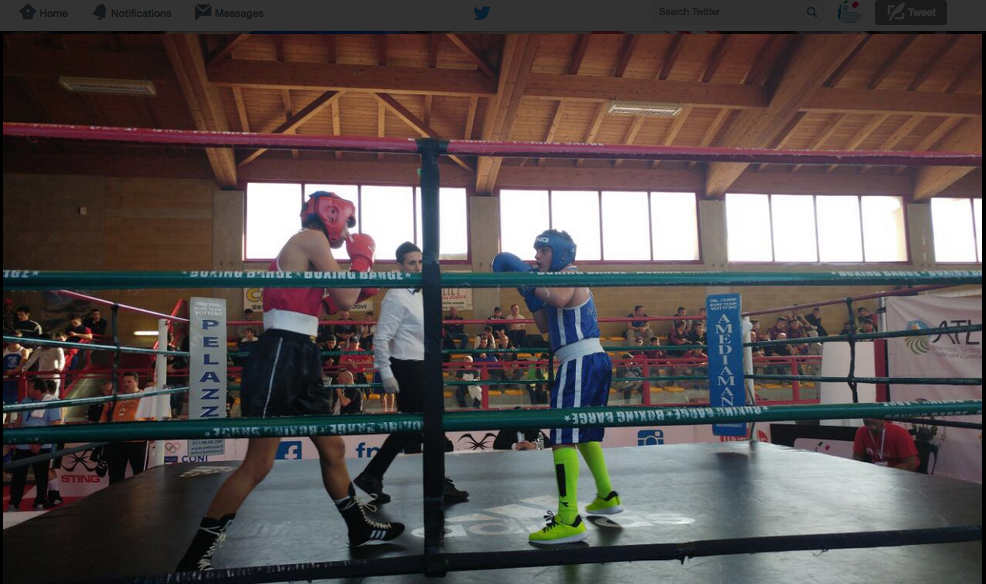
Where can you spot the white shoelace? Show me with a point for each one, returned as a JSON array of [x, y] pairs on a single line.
[[205, 562]]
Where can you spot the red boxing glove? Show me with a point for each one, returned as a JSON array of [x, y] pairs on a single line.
[[366, 293], [329, 305], [361, 249]]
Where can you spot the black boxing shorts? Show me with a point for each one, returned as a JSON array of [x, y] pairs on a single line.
[[283, 377]]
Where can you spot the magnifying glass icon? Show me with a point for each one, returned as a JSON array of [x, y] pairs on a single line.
[[811, 11]]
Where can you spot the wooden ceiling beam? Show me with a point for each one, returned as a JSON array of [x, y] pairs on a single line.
[[899, 133], [629, 46], [784, 136], [579, 55], [553, 128], [330, 47], [518, 53], [671, 56], [427, 111], [813, 60], [932, 180], [859, 137], [225, 48], [846, 65], [931, 139], [470, 118], [382, 49], [767, 59], [638, 122], [381, 125], [674, 130], [185, 55], [24, 61], [722, 49], [597, 122], [712, 131], [597, 89], [934, 62], [296, 120], [888, 65], [974, 63], [415, 123], [241, 111], [819, 140], [472, 51], [336, 123], [434, 42]]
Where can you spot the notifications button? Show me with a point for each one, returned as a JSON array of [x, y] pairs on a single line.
[[911, 12]]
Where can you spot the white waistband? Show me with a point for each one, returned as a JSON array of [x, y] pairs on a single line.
[[579, 349], [288, 320]]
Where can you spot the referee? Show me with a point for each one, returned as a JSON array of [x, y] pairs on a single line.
[[398, 357]]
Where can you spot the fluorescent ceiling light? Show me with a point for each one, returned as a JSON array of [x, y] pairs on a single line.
[[137, 87], [145, 333], [644, 108]]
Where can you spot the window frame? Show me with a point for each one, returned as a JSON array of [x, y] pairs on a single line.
[[602, 247], [387, 260], [975, 234]]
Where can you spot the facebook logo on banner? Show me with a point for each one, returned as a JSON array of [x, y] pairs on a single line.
[[290, 450], [650, 437]]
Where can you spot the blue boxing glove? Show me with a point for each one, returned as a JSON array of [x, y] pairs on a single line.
[[508, 262]]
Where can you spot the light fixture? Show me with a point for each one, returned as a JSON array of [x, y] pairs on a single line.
[[145, 333], [650, 109], [136, 87]]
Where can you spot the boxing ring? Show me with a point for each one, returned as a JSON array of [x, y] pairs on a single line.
[[719, 502]]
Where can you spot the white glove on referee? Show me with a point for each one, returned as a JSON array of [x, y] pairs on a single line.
[[390, 385]]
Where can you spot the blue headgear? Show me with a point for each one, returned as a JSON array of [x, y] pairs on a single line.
[[562, 249]]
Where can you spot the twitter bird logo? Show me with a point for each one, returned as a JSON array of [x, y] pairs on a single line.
[[482, 13]]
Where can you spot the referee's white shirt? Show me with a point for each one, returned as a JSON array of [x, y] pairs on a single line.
[[400, 329]]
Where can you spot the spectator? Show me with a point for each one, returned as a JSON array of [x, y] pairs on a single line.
[[787, 350], [516, 332], [95, 412], [655, 352], [521, 439], [13, 355], [29, 328], [696, 336], [814, 350], [245, 345], [9, 316], [331, 362], [497, 315], [629, 371], [119, 454], [95, 323], [50, 360], [680, 314], [868, 327], [349, 400], [815, 320], [77, 333], [468, 373], [366, 332], [678, 336], [885, 444], [796, 331], [536, 392], [486, 334], [344, 331], [862, 316], [488, 362], [456, 332], [780, 327], [638, 329], [33, 418]]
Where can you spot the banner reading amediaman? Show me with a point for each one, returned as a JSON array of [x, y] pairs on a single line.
[[725, 347], [207, 365]]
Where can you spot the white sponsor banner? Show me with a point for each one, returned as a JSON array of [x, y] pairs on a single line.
[[458, 298], [955, 452]]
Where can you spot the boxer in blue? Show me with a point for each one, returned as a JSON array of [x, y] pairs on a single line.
[[568, 315]]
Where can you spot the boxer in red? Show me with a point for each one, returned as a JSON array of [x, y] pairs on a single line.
[[283, 376]]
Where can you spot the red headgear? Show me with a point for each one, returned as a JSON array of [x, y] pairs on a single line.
[[333, 211]]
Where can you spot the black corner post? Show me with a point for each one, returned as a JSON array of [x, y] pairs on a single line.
[[115, 329], [434, 400], [851, 334]]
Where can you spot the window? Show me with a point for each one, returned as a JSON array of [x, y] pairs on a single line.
[[454, 229], [523, 215], [272, 217], [883, 229], [626, 226], [391, 214], [957, 226], [809, 229], [793, 220], [674, 227], [748, 228], [577, 212], [636, 225]]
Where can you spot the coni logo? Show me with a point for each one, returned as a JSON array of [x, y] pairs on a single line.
[[921, 344]]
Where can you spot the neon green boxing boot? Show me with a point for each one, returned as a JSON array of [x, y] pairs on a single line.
[[558, 533], [610, 505]]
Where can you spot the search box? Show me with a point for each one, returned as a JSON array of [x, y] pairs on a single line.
[[723, 13]]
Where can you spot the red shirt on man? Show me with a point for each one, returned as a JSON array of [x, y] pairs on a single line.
[[888, 447]]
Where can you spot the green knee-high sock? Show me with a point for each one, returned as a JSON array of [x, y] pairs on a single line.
[[592, 452], [567, 474]]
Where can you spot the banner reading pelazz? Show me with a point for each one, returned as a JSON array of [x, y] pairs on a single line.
[[955, 452]]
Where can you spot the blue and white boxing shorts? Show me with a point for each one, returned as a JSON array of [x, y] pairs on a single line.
[[582, 380]]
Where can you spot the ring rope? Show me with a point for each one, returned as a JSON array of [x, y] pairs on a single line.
[[9, 466], [92, 346], [88, 401], [359, 424]]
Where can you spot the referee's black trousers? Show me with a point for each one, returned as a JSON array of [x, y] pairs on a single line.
[[410, 377]]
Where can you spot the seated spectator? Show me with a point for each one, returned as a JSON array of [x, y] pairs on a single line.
[[37, 392], [50, 360], [95, 323], [349, 400], [868, 327], [77, 333], [654, 350], [638, 329], [815, 320], [696, 336], [486, 334], [95, 412], [780, 327], [678, 336], [497, 315], [250, 316], [330, 362], [536, 392], [366, 332], [516, 332], [631, 372], [862, 316], [9, 316], [245, 345], [786, 350], [814, 350], [13, 355], [885, 444], [681, 312], [475, 392], [521, 439], [796, 331], [29, 328], [456, 332], [358, 363], [344, 332], [502, 343]]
